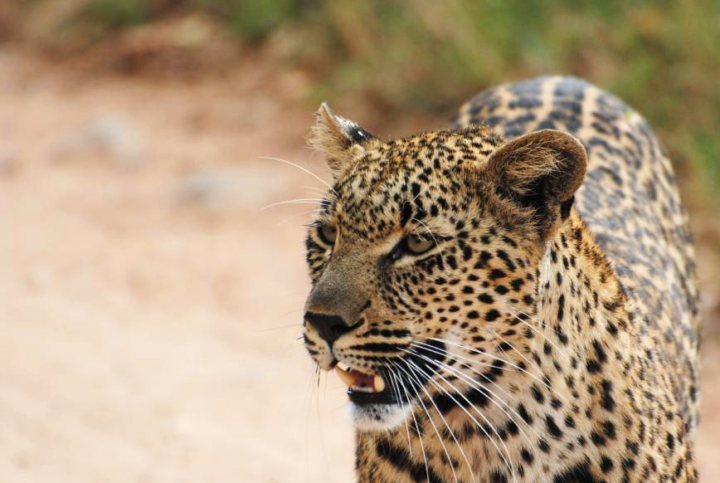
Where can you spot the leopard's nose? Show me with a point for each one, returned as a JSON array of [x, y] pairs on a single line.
[[330, 327]]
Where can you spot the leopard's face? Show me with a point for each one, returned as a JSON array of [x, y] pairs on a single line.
[[423, 272], [413, 277]]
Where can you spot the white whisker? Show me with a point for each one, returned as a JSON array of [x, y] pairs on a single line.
[[517, 314], [305, 170], [417, 428], [474, 350], [477, 423], [486, 391], [442, 443], [298, 201]]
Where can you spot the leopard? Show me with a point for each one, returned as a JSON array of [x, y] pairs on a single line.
[[512, 298]]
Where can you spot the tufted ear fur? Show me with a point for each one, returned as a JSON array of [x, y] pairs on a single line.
[[539, 171], [342, 141]]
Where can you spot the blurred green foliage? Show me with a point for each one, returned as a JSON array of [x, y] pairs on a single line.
[[114, 13], [662, 57], [251, 19], [420, 56]]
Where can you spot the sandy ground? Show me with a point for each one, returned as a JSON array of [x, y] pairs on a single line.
[[149, 305]]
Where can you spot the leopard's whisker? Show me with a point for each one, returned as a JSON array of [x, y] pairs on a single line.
[[410, 373], [485, 391], [317, 190], [480, 388], [535, 329], [297, 201], [529, 361], [295, 165], [472, 361], [478, 424], [296, 215], [420, 193], [481, 352], [396, 389], [472, 369], [424, 225], [452, 434], [417, 427]]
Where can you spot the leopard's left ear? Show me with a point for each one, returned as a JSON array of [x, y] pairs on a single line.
[[539, 172], [342, 141]]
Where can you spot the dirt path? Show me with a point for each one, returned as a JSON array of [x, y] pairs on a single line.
[[149, 308]]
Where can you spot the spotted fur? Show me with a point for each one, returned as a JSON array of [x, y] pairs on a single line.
[[550, 333]]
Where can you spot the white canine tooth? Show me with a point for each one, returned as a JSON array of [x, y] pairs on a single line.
[[344, 376], [378, 383]]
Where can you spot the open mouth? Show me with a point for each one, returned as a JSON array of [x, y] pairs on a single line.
[[365, 388], [397, 385]]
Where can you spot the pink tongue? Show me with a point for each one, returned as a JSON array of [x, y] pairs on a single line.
[[362, 380]]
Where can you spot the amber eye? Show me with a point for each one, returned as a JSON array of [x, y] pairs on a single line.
[[328, 233], [417, 245]]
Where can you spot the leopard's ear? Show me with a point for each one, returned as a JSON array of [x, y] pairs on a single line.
[[539, 172], [342, 141]]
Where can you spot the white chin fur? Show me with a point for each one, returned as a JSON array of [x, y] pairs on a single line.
[[378, 416]]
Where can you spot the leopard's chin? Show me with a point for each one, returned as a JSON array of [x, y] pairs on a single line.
[[374, 417]]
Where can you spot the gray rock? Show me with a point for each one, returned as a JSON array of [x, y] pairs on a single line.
[[218, 189], [108, 137]]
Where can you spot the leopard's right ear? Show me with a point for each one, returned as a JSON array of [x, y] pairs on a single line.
[[342, 141], [539, 173]]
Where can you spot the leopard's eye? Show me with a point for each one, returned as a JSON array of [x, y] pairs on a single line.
[[328, 233], [417, 245], [412, 245]]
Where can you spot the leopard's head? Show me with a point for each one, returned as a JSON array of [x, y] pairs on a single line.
[[424, 258]]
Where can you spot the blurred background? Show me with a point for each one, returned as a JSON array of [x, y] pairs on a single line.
[[151, 221]]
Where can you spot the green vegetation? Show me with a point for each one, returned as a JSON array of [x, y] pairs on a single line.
[[420, 56], [662, 57], [115, 13], [252, 19]]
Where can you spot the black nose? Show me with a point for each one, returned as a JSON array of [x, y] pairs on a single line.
[[330, 327]]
